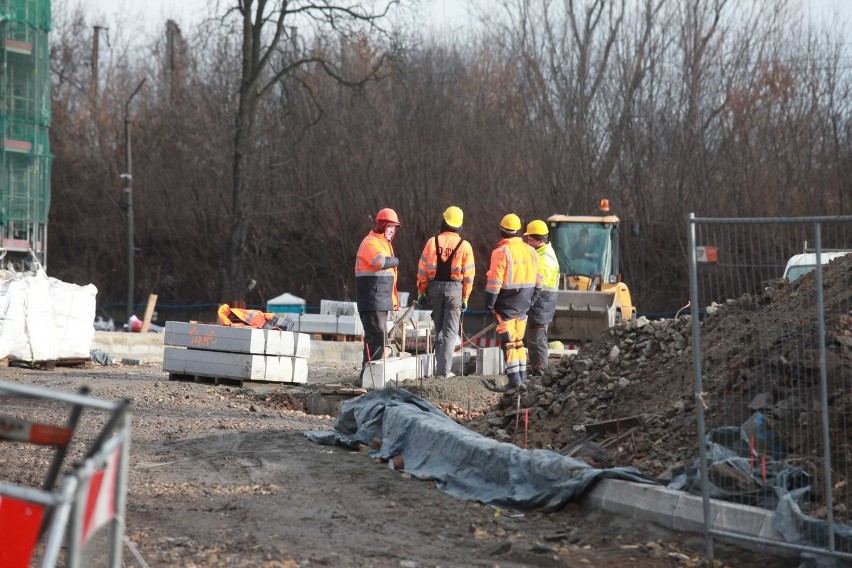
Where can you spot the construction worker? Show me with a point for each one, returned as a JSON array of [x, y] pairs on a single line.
[[513, 284], [445, 272], [376, 277], [541, 312]]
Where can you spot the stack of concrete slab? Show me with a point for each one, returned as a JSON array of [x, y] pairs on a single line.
[[238, 353], [327, 324]]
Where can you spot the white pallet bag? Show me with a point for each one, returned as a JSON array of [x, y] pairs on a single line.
[[26, 327], [73, 310]]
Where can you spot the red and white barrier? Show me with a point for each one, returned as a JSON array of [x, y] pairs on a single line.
[[100, 500], [20, 522]]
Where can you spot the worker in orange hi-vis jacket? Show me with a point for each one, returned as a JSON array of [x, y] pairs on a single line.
[[444, 282], [376, 278], [513, 284]]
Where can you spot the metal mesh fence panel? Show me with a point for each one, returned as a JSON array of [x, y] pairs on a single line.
[[773, 374]]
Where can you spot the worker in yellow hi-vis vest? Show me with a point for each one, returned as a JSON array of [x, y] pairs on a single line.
[[541, 312]]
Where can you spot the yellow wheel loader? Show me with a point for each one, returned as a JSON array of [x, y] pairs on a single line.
[[591, 295]]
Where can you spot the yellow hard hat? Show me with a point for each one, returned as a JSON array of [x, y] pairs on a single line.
[[453, 217], [537, 227], [511, 223]]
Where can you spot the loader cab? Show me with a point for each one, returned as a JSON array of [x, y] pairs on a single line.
[[591, 296], [586, 246]]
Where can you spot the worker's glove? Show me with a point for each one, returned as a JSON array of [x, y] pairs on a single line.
[[282, 323], [391, 262], [464, 306], [490, 301], [422, 302], [535, 296]]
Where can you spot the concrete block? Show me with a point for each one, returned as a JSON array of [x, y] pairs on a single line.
[[328, 324], [337, 351], [313, 323], [335, 308], [349, 325], [677, 510], [380, 373], [146, 347], [286, 370], [288, 344], [490, 361], [243, 366], [425, 366], [460, 359]]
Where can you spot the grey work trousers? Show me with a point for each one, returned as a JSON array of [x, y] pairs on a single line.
[[374, 335], [446, 300], [536, 340]]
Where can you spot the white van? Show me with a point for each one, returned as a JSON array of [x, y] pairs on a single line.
[[801, 264]]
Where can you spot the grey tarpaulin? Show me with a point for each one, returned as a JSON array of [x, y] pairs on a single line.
[[464, 464], [782, 489]]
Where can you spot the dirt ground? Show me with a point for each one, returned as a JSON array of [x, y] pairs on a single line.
[[224, 477]]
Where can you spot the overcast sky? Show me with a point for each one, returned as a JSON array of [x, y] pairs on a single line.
[[187, 12], [442, 14]]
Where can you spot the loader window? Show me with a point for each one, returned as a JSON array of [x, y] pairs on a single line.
[[583, 248]]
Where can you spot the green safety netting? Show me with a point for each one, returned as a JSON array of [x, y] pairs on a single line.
[[35, 13], [25, 158], [24, 73], [24, 172]]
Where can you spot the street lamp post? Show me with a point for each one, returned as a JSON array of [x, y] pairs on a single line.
[[128, 195]]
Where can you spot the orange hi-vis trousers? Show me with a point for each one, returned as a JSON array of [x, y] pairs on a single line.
[[511, 335]]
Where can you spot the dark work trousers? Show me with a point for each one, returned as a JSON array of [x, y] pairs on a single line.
[[536, 340], [375, 325], [446, 300]]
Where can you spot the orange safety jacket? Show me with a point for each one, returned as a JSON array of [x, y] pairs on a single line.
[[239, 317], [376, 275], [512, 278], [462, 266]]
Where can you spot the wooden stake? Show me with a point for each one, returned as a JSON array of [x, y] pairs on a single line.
[[149, 313]]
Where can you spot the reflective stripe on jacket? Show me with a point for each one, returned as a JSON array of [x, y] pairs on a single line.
[[376, 282], [462, 269], [541, 312], [513, 276]]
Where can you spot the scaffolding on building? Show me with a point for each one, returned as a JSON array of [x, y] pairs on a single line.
[[25, 157]]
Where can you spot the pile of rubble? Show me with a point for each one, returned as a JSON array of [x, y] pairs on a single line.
[[628, 397]]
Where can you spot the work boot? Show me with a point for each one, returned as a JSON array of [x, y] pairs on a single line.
[[494, 387]]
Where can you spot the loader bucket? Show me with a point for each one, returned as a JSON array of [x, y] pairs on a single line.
[[582, 315]]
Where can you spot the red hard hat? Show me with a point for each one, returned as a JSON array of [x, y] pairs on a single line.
[[387, 215]]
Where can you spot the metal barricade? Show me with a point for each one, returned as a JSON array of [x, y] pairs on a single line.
[[773, 380], [91, 494]]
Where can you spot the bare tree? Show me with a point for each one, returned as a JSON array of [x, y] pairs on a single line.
[[268, 29]]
